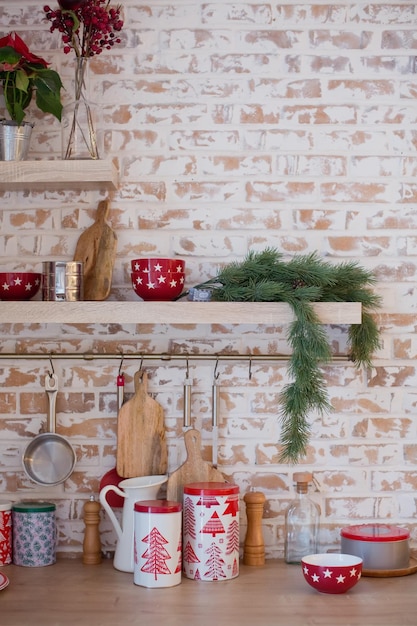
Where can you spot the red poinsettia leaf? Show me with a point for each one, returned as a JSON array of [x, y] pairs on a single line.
[[14, 41]]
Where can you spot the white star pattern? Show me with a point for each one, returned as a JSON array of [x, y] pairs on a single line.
[[315, 578], [352, 572], [18, 281], [173, 283], [158, 267], [179, 268], [340, 579], [327, 573], [151, 285], [139, 280], [161, 279], [5, 287]]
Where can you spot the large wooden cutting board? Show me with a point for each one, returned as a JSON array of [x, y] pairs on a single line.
[[193, 470], [141, 443], [96, 248]]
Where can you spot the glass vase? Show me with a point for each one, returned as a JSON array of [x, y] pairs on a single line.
[[79, 134]]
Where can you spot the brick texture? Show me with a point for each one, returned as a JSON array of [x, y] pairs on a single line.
[[236, 126]]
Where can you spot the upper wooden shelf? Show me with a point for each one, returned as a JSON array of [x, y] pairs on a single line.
[[58, 173], [132, 312]]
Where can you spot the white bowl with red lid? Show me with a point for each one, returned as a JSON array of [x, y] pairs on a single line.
[[380, 546]]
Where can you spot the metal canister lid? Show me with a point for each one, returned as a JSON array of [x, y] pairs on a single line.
[[375, 532], [210, 489], [158, 506], [34, 507], [5, 505]]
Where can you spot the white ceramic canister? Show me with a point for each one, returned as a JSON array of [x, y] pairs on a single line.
[[380, 546], [158, 545], [211, 531], [5, 532], [34, 533]]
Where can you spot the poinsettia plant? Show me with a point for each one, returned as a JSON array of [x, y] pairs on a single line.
[[24, 75], [87, 26]]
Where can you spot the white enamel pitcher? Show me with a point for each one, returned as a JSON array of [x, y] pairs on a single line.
[[132, 490]]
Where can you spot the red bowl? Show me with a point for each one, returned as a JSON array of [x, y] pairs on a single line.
[[332, 572], [157, 264], [19, 285], [158, 285]]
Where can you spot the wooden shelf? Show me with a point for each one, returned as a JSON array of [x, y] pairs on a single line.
[[58, 173], [110, 312]]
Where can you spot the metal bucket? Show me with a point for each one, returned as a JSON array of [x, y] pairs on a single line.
[[14, 140]]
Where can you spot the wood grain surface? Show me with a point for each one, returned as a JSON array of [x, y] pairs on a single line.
[[96, 248], [141, 442], [194, 469]]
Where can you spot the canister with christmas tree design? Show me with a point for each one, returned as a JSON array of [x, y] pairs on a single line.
[[5, 532], [157, 543], [211, 531]]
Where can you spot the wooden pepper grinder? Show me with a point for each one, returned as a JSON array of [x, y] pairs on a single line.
[[254, 547], [92, 542]]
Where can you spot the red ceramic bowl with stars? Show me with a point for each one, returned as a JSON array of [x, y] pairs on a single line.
[[332, 572]]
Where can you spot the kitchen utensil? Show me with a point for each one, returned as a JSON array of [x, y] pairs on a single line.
[[141, 443], [187, 399], [112, 477], [381, 546], [132, 490], [49, 459], [215, 405], [331, 572], [96, 248], [194, 469]]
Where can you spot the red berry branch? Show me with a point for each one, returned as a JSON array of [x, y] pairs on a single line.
[[87, 26]]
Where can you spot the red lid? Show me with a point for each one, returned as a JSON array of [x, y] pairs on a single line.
[[210, 489], [158, 506], [375, 532]]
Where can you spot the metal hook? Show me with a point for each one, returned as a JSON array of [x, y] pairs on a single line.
[[187, 371], [141, 362], [216, 373], [250, 368], [52, 372], [121, 363]]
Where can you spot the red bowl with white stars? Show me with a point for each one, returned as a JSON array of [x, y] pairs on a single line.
[[158, 285], [332, 572], [19, 285], [157, 264]]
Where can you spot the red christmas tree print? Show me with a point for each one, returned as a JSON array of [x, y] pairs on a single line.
[[189, 518], [235, 570], [197, 575], [156, 554], [208, 501], [214, 526], [232, 537], [232, 507], [215, 563], [189, 555], [179, 550]]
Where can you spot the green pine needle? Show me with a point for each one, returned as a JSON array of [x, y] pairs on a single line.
[[266, 277]]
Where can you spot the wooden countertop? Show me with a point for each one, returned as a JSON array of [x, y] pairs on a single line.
[[70, 593]]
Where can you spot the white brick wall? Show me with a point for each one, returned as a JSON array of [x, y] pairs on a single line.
[[236, 126]]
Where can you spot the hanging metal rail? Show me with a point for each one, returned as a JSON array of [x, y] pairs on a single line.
[[161, 356]]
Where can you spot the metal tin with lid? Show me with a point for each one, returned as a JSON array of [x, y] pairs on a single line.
[[157, 543], [381, 546], [211, 531], [34, 533], [5, 532]]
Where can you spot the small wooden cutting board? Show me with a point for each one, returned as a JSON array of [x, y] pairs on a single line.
[[96, 248], [194, 469], [141, 443]]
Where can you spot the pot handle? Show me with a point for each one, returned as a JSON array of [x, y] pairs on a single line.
[[106, 506], [51, 388]]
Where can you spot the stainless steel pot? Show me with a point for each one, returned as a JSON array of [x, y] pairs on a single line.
[[49, 459], [381, 546]]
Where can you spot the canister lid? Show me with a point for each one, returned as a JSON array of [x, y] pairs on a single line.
[[158, 506], [210, 489], [5, 505], [375, 532], [33, 507]]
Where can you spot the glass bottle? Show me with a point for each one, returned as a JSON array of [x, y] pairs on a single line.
[[302, 522]]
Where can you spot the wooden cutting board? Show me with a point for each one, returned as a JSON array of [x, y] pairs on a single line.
[[194, 469], [141, 443], [96, 248]]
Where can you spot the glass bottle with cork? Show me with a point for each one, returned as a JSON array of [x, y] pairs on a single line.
[[302, 522]]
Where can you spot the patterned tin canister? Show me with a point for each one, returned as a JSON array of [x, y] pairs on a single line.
[[5, 532], [211, 531], [158, 546], [34, 534]]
